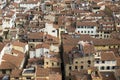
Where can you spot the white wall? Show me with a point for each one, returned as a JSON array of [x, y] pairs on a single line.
[[107, 63], [85, 30], [54, 48], [17, 1], [10, 23], [49, 29], [50, 17], [41, 51], [31, 54], [30, 5]]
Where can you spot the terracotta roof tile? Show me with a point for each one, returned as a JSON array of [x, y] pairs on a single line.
[[41, 72], [69, 41], [35, 60], [43, 45], [78, 75], [16, 73], [55, 59], [118, 61], [18, 43], [117, 72], [41, 79], [101, 42], [108, 55], [6, 65], [51, 39], [56, 76], [88, 48], [36, 35], [86, 23], [14, 60]]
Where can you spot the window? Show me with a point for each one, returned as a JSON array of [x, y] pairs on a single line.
[[113, 67], [52, 64], [28, 78], [69, 74], [88, 31], [3, 72], [76, 67], [78, 31], [70, 68], [58, 63], [104, 36], [102, 68], [88, 65], [103, 61], [89, 62], [81, 67], [81, 31], [97, 62], [47, 63], [82, 62], [76, 62], [16, 78], [91, 31], [84, 31], [108, 68], [91, 26], [31, 46], [53, 30]]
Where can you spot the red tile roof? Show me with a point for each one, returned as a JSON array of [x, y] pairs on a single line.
[[101, 42], [43, 45], [16, 73], [86, 24], [15, 60], [108, 55], [36, 35], [18, 43]]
